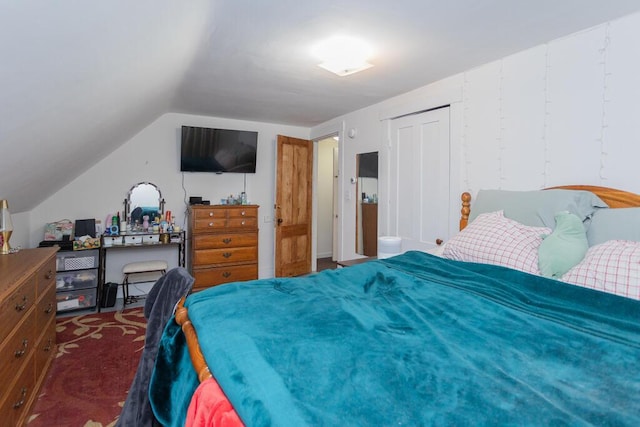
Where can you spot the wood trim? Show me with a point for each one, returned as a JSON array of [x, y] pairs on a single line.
[[195, 352], [466, 209], [613, 197]]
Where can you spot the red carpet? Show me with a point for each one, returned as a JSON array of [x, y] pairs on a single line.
[[88, 380]]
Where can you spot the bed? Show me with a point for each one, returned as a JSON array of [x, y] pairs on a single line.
[[426, 339]]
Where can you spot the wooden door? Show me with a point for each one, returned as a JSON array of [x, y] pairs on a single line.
[[293, 206]]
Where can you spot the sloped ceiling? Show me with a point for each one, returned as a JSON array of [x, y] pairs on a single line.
[[79, 78]]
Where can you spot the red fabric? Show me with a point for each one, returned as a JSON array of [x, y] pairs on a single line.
[[210, 407]]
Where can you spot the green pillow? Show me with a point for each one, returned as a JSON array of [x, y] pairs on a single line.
[[565, 247]]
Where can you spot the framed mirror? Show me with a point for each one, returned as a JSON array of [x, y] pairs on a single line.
[[143, 199], [367, 204]]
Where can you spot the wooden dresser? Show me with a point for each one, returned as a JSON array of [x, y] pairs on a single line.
[[27, 328], [223, 244], [370, 229]]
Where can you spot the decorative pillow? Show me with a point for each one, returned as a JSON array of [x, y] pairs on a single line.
[[563, 248], [494, 239], [614, 224], [613, 267], [536, 208]]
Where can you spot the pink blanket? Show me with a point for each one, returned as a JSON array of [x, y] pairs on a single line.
[[210, 407]]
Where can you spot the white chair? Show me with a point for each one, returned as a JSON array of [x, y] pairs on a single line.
[[146, 271]]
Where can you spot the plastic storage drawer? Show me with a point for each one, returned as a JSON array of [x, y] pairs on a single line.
[[79, 279], [77, 260], [75, 300]]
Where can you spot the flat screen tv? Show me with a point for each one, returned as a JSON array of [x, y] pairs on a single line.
[[218, 150]]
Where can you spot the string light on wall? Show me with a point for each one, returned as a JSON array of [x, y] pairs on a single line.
[[465, 132], [605, 100], [500, 138], [545, 120]]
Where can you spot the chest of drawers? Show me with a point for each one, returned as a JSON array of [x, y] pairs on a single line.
[[223, 244], [27, 328]]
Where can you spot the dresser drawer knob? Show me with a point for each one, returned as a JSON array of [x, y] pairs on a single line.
[[210, 224], [49, 275], [24, 304], [210, 213], [243, 213], [226, 274], [23, 398], [21, 352], [243, 222], [49, 308], [226, 240], [49, 345], [227, 254]]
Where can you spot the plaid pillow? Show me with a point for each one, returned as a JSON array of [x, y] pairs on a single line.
[[493, 239], [612, 266]]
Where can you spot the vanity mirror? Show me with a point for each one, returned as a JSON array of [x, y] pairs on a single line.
[[367, 204], [143, 199]]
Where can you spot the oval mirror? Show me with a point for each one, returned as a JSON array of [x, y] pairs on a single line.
[[143, 199]]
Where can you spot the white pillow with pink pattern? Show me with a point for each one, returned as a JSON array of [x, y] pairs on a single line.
[[612, 266], [493, 239]]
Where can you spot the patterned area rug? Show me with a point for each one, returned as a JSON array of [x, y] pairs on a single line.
[[89, 378]]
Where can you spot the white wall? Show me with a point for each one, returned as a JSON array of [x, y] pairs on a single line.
[[324, 195], [153, 155], [561, 113]]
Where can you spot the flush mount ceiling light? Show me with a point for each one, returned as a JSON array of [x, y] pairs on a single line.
[[343, 55]]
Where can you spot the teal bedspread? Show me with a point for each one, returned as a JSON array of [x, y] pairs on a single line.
[[410, 340]]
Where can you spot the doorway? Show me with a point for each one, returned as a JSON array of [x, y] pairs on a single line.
[[326, 196], [306, 181]]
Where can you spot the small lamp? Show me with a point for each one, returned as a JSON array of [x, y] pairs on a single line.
[[6, 227]]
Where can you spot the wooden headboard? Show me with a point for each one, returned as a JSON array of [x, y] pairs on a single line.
[[611, 196]]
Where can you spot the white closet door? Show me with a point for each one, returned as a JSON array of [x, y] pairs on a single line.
[[419, 179]]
